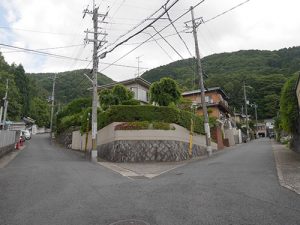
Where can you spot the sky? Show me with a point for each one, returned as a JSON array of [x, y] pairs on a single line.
[[35, 24]]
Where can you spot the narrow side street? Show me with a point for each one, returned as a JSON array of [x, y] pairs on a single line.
[[49, 185]]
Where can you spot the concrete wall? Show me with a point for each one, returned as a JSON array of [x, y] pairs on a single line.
[[140, 145], [109, 134], [7, 141], [229, 134]]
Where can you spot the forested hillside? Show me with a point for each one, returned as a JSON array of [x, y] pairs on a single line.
[[264, 71], [25, 97], [28, 94], [69, 85]]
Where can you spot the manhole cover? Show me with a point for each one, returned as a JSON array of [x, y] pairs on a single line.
[[130, 222]]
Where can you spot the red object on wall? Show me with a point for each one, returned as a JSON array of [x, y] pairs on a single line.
[[216, 134]]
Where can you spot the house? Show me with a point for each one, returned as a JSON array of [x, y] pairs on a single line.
[[138, 85], [261, 129], [241, 118], [216, 101]]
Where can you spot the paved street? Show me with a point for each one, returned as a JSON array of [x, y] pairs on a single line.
[[49, 185]]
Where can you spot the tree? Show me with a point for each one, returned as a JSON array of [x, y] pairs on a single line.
[[165, 92], [289, 106], [117, 96], [14, 110], [40, 111], [122, 93], [22, 83], [107, 98]]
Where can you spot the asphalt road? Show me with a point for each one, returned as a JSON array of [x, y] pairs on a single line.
[[47, 185]]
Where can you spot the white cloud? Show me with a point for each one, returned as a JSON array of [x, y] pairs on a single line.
[[259, 24]]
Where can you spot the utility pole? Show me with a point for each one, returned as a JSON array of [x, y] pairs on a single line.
[[246, 111], [201, 84], [138, 61], [1, 113], [52, 105], [5, 106], [96, 45], [256, 130]]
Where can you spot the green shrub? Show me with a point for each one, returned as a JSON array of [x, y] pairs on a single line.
[[140, 125], [161, 126], [185, 121], [153, 114], [131, 102], [130, 113], [69, 121], [74, 107]]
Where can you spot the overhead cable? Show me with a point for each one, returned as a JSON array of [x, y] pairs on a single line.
[[64, 57], [182, 15]]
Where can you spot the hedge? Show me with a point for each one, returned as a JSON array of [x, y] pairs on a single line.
[[164, 114], [143, 125], [130, 113]]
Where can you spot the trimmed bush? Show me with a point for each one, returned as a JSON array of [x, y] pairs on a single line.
[[141, 125], [161, 126], [131, 113], [153, 114], [131, 102]]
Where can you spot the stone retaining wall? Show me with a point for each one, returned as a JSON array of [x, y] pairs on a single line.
[[6, 149], [148, 150]]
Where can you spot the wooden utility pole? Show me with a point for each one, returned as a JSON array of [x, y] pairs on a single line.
[[52, 105], [96, 45], [246, 111], [201, 84]]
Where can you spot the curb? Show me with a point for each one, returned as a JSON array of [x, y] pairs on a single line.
[[280, 175]]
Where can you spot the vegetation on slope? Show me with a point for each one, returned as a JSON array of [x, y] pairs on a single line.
[[265, 71]]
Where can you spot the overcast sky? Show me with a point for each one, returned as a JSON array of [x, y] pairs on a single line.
[[36, 24]]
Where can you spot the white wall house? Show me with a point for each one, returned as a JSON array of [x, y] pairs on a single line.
[[138, 85]]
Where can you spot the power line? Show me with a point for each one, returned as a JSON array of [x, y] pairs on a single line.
[[36, 31], [157, 32], [179, 34], [53, 48], [221, 14], [182, 15], [140, 31], [160, 46], [65, 57], [184, 30]]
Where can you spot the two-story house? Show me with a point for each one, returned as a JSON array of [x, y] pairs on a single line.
[[216, 101], [138, 85]]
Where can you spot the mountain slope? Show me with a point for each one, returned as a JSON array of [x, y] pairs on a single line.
[[265, 71], [69, 85]]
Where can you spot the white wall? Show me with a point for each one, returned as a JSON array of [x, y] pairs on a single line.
[[109, 134], [140, 92], [7, 138]]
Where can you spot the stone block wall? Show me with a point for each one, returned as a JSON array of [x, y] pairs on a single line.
[[148, 150], [6, 149]]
